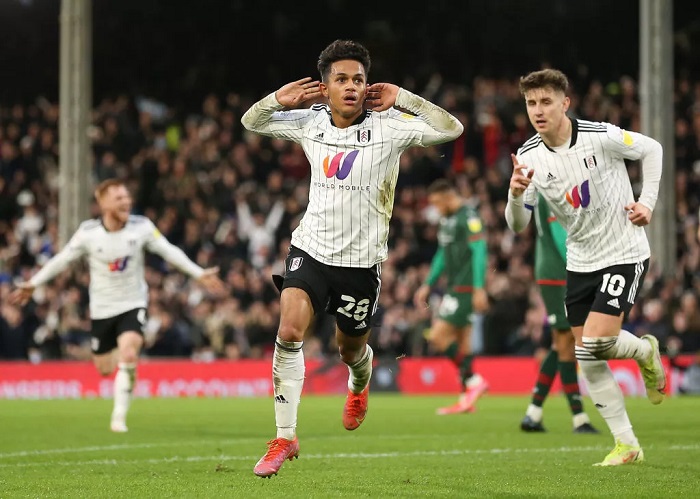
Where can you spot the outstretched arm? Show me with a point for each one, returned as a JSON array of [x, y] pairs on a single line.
[[57, 264], [442, 126], [176, 257]]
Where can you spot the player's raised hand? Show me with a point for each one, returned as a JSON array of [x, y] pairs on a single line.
[[521, 178], [381, 96], [211, 282], [295, 93], [638, 214], [22, 294]]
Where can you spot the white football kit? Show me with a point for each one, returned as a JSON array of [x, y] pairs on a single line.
[[353, 171], [116, 263], [586, 184]]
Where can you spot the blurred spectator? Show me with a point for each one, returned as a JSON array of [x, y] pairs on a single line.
[[686, 325], [655, 321], [16, 333]]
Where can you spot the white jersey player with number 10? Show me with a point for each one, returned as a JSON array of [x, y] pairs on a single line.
[[578, 167], [334, 261], [114, 246]]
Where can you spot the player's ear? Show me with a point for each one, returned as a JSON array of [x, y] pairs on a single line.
[[567, 103], [324, 89]]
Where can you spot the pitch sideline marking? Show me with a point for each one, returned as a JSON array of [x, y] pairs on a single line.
[[339, 455], [116, 447], [356, 455]]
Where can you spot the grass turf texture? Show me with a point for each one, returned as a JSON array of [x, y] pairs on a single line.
[[208, 447]]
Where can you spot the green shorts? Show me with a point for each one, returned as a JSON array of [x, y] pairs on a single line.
[[554, 298], [456, 308]]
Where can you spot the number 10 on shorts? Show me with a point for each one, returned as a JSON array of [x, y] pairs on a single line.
[[614, 285]]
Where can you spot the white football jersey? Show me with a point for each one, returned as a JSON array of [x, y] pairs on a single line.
[[353, 178], [116, 262], [587, 187]]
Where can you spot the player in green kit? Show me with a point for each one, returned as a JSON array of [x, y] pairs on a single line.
[[461, 257], [550, 272]]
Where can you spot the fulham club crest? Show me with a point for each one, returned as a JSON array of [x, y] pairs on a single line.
[[363, 136], [590, 162], [295, 263]]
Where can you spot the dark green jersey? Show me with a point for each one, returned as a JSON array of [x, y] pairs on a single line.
[[550, 247], [461, 241]]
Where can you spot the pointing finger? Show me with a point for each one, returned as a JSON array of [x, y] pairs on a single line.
[[515, 160]]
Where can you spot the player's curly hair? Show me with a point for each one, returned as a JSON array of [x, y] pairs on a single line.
[[341, 50], [552, 78]]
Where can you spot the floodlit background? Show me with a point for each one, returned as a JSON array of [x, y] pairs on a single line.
[[167, 83]]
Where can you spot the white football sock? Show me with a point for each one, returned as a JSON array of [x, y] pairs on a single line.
[[288, 381], [124, 382], [607, 396], [624, 346], [580, 418], [361, 372], [474, 380], [534, 412]]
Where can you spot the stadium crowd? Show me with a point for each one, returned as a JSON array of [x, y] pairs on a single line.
[[231, 198]]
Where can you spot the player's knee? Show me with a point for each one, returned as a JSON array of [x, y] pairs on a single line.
[[105, 370], [564, 344], [290, 332], [438, 341], [129, 355], [566, 355]]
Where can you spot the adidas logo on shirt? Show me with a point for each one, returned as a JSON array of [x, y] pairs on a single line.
[[319, 136], [280, 399], [614, 303], [550, 177]]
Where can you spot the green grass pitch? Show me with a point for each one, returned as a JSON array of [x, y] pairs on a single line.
[[208, 447]]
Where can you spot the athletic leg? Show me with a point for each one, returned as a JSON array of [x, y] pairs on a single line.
[[532, 422], [129, 345], [296, 313], [565, 344], [583, 291], [357, 355]]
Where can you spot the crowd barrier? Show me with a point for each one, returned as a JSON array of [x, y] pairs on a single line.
[[252, 378]]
